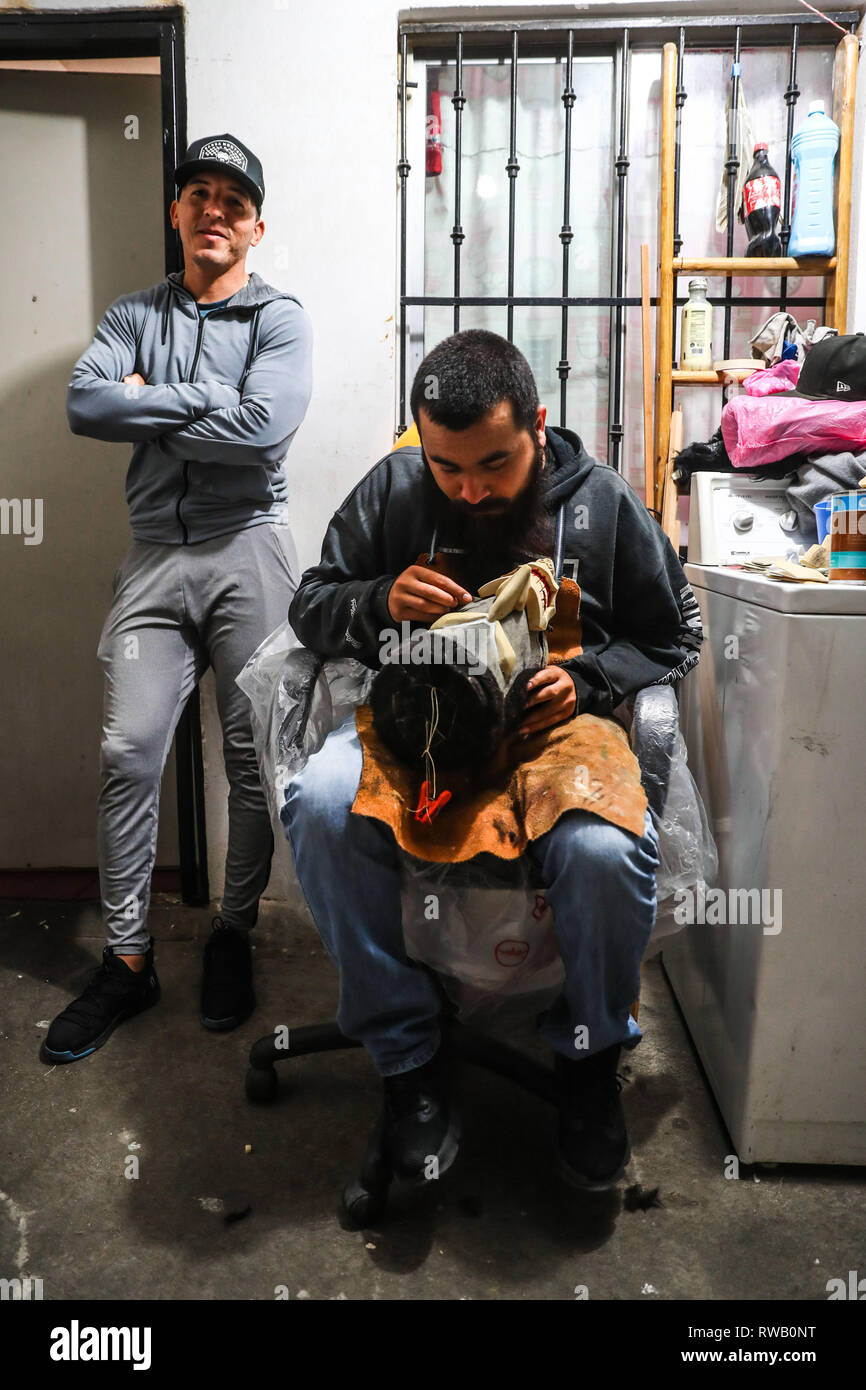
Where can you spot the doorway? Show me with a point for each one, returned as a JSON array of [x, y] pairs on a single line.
[[92, 122]]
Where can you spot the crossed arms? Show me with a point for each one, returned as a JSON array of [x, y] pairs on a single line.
[[206, 420]]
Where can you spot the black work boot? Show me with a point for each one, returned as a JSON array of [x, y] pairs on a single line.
[[227, 997], [421, 1132], [115, 992], [593, 1139]]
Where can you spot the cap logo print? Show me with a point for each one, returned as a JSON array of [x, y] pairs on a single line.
[[842, 386], [226, 152]]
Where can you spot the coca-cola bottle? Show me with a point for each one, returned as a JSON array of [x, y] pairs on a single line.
[[762, 202]]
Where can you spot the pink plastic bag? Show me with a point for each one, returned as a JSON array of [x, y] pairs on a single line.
[[770, 381], [762, 429]]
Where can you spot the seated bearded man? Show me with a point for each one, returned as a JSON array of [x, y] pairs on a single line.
[[490, 483]]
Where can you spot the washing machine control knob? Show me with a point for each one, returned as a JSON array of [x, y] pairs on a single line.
[[743, 521]]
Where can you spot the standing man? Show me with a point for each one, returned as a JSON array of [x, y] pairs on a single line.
[[208, 375]]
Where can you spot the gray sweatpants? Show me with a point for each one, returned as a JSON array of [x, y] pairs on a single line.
[[177, 610]]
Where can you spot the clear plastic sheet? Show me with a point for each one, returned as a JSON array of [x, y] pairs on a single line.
[[687, 850], [485, 928], [296, 699]]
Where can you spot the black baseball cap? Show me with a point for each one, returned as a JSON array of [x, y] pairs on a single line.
[[834, 370], [225, 155]]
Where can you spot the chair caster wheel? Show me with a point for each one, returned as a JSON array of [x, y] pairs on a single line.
[[260, 1084], [360, 1207]]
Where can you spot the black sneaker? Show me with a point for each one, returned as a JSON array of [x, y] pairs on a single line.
[[593, 1139], [114, 993], [227, 997], [419, 1124]]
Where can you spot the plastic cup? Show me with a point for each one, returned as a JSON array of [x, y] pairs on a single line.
[[822, 518]]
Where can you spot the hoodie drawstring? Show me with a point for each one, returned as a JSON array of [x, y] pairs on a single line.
[[560, 536], [254, 335]]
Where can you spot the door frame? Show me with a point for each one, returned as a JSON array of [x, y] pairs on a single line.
[[127, 34]]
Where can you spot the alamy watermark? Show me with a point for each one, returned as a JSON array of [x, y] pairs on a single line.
[[22, 516], [731, 907], [25, 1288], [459, 644], [854, 1288], [77, 1343]]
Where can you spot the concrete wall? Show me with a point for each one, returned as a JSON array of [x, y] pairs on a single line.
[[312, 88]]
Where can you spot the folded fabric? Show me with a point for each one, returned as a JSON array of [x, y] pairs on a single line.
[[712, 458], [761, 429], [817, 479], [770, 381]]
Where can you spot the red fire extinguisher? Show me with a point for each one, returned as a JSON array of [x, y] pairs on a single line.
[[434, 136]]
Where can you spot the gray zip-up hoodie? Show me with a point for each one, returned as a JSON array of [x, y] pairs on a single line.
[[212, 427]]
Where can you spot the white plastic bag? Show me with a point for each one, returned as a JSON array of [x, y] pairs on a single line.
[[488, 943]]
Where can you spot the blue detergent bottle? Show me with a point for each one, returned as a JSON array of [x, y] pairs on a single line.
[[813, 151]]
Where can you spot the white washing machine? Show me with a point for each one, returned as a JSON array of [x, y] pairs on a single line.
[[773, 717]]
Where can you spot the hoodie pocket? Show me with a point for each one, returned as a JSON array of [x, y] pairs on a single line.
[[223, 481]]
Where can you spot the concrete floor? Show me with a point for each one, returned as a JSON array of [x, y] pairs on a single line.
[[500, 1225]]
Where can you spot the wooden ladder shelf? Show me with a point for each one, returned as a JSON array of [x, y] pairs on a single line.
[[834, 268]]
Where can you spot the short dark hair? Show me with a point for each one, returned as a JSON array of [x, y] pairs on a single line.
[[466, 375]]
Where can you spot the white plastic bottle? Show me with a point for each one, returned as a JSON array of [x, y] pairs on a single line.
[[813, 151], [696, 333]]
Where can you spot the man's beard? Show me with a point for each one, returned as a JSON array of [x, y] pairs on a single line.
[[497, 534]]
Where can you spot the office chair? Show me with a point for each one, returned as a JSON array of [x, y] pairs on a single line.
[[652, 736]]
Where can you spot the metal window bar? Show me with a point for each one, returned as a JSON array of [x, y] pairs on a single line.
[[435, 36], [512, 169], [681, 101], [458, 101], [436, 39], [403, 168], [732, 164], [616, 395], [791, 97], [681, 95], [566, 234]]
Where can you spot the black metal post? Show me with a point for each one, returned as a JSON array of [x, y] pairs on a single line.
[[403, 167], [512, 169], [791, 96], [173, 104], [732, 165], [566, 235], [621, 165], [678, 241], [681, 101], [458, 101]]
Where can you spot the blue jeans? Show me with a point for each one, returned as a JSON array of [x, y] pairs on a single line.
[[600, 884]]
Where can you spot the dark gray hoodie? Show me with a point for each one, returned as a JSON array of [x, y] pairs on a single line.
[[640, 620], [212, 427]]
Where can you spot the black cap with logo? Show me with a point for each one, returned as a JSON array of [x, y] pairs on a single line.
[[834, 370], [225, 155]]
